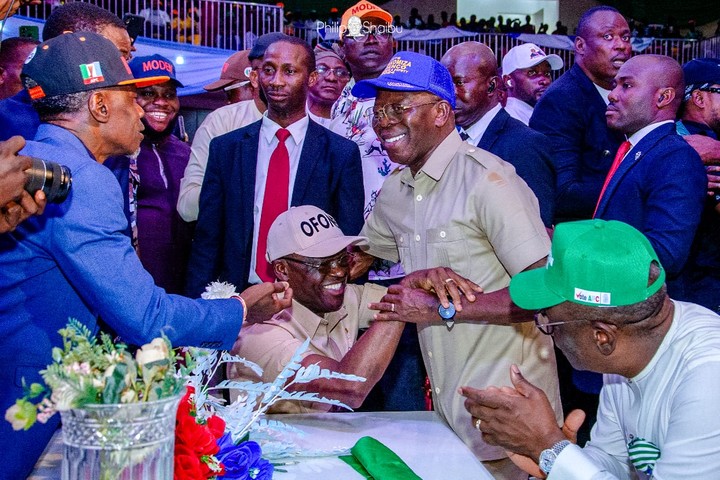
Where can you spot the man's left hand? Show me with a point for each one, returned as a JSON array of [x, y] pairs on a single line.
[[519, 419], [447, 285], [405, 304]]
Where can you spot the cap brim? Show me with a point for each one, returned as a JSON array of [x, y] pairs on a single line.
[[556, 63], [218, 84], [528, 290], [145, 82], [369, 88], [381, 15], [328, 247]]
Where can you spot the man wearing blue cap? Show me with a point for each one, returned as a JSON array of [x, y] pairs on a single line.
[[602, 299], [75, 260], [455, 205]]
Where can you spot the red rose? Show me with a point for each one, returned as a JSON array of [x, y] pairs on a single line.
[[187, 464], [216, 426]]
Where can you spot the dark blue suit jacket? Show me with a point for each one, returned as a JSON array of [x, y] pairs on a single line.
[[529, 152], [659, 188], [572, 116], [329, 176]]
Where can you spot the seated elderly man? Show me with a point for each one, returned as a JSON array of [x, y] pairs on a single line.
[[309, 251], [602, 298]]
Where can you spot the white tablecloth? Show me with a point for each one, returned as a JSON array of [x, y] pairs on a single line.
[[421, 439]]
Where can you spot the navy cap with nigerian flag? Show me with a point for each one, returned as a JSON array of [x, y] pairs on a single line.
[[77, 62], [592, 262]]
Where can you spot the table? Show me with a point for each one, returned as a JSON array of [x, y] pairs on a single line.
[[421, 439]]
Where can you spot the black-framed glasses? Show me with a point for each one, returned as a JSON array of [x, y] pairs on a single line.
[[710, 89], [380, 35], [547, 327], [393, 112], [326, 266], [339, 72]]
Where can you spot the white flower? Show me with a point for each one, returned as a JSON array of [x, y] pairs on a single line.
[[152, 352], [219, 290], [15, 417]]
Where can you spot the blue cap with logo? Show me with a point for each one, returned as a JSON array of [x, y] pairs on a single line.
[[410, 72], [153, 66], [701, 73]]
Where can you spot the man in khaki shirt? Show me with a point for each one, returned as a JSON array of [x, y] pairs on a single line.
[[308, 250], [454, 205]]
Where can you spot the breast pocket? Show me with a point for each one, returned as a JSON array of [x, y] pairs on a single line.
[[447, 247], [403, 242]]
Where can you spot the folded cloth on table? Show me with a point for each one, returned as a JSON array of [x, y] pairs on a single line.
[[375, 461]]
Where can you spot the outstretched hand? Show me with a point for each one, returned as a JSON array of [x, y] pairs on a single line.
[[445, 283], [404, 304], [519, 419], [266, 299]]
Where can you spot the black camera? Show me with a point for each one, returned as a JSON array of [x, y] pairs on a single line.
[[50, 177]]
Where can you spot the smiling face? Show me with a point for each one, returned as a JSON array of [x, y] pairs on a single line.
[[412, 139], [603, 47], [319, 290], [160, 104]]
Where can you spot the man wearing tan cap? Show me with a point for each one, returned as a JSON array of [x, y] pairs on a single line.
[[309, 251], [235, 78]]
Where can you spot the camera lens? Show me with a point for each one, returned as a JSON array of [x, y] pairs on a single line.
[[50, 177]]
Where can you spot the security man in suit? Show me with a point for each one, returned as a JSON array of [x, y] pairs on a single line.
[[473, 66], [257, 172]]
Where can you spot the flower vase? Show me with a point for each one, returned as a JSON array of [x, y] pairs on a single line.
[[129, 441]]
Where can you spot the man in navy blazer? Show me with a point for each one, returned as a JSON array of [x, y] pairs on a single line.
[[659, 187], [478, 112], [572, 112], [325, 167]]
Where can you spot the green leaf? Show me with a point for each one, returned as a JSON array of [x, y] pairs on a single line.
[[36, 389], [115, 384]]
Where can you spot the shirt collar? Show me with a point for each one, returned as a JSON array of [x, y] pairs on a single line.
[[438, 161], [477, 129], [640, 134], [297, 130]]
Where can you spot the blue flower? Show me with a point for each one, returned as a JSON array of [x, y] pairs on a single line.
[[240, 460]]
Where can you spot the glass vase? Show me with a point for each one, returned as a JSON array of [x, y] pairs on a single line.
[[129, 441]]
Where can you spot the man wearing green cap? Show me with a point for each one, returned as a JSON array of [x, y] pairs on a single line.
[[603, 299]]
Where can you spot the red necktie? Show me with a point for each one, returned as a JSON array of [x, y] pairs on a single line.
[[622, 151], [275, 201]]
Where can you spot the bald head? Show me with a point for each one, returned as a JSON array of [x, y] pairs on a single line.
[[647, 89], [473, 67]]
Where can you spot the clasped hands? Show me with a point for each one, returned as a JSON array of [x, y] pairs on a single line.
[[415, 299]]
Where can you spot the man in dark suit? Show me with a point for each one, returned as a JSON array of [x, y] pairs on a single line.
[[242, 182], [659, 185], [572, 112], [485, 123]]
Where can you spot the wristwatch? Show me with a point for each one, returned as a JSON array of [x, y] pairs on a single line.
[[548, 456], [447, 314]]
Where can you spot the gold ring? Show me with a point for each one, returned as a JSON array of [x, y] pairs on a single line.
[[477, 424], [448, 280], [392, 307]]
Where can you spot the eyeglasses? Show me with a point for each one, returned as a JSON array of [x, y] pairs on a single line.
[[340, 73], [710, 89], [380, 36], [547, 327], [393, 112], [326, 266]]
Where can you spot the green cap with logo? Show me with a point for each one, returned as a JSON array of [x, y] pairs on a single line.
[[592, 262]]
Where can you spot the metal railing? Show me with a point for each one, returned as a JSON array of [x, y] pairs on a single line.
[[224, 24], [234, 25]]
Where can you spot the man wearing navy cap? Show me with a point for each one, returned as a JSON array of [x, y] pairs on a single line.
[[454, 205], [163, 237], [75, 260], [603, 300]]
